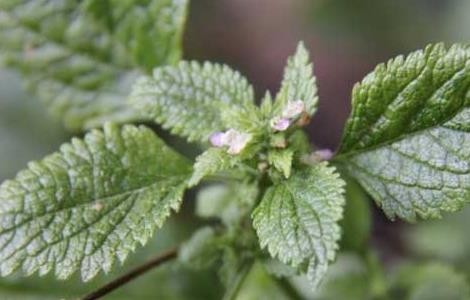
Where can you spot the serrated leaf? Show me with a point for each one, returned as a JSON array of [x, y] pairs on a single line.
[[298, 83], [90, 203], [79, 70], [210, 162], [281, 160], [189, 98], [297, 219], [407, 138]]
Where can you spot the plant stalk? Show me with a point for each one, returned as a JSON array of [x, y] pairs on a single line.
[[132, 274]]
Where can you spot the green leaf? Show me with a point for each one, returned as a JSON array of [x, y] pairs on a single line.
[[202, 250], [79, 70], [229, 202], [259, 285], [407, 138], [429, 282], [210, 162], [297, 219], [347, 279], [298, 83], [93, 201], [281, 160], [356, 223], [150, 30], [189, 99]]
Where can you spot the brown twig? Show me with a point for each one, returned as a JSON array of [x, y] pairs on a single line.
[[134, 273]]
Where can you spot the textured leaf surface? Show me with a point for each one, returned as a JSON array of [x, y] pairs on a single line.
[[93, 201], [281, 160], [210, 162], [189, 99], [408, 136], [299, 83], [297, 219], [78, 69]]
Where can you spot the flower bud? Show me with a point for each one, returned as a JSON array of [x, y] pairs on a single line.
[[280, 124], [236, 141], [323, 154], [293, 109], [218, 139]]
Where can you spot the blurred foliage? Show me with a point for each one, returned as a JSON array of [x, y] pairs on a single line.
[[26, 130]]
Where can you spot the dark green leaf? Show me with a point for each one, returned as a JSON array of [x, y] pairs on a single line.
[[407, 138]]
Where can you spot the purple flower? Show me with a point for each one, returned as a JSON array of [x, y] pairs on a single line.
[[280, 124], [293, 109], [218, 139], [324, 154]]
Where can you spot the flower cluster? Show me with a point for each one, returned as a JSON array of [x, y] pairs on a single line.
[[235, 140], [292, 111]]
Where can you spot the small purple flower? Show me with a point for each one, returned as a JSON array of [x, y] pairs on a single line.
[[280, 124], [324, 154], [293, 109], [236, 141], [218, 139]]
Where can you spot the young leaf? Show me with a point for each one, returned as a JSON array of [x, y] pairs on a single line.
[[189, 99], [94, 200], [281, 160], [79, 70], [407, 138], [297, 219], [298, 83], [210, 162]]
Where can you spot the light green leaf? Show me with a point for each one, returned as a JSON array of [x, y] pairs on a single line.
[[93, 201], [407, 138], [202, 250], [429, 282], [227, 202], [347, 279], [210, 162], [189, 99], [298, 83], [281, 160], [79, 70], [297, 219]]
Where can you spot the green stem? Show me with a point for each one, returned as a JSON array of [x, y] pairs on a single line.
[[232, 291]]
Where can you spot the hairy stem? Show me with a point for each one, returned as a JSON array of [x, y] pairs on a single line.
[[132, 274]]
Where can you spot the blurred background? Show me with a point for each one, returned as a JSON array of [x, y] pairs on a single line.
[[347, 38]]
